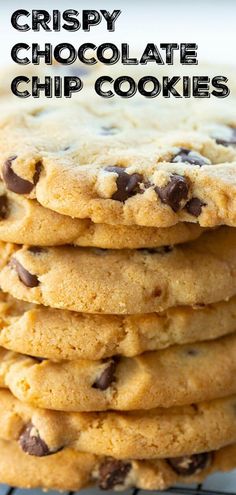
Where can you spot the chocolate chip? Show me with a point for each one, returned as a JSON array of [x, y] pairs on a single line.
[[192, 352], [188, 465], [174, 192], [190, 156], [31, 443], [36, 249], [156, 292], [107, 377], [161, 250], [194, 207], [25, 277], [3, 207], [112, 473], [228, 138], [38, 169], [38, 359], [100, 251], [15, 183], [157, 250], [127, 185], [166, 249]]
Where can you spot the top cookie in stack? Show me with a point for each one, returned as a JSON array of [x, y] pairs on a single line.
[[119, 167], [118, 308]]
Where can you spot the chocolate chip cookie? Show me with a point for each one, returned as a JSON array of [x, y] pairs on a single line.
[[71, 335], [128, 282], [72, 470], [179, 375], [124, 165], [25, 221], [171, 432]]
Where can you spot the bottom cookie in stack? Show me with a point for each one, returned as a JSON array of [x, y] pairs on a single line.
[[72, 470]]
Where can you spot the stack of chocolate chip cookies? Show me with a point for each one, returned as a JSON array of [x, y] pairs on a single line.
[[118, 302]]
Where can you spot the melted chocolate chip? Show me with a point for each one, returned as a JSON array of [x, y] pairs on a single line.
[[25, 277], [194, 207], [191, 157], [174, 192], [31, 443], [107, 377], [15, 183], [189, 465], [3, 207], [127, 185], [112, 473], [225, 140]]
